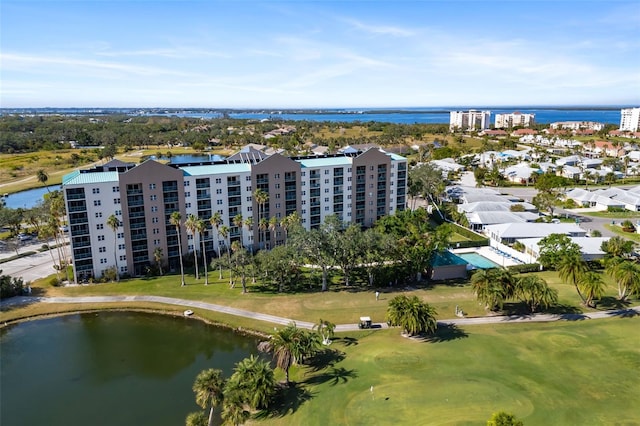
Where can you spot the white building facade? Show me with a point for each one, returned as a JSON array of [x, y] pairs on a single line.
[[630, 119], [469, 120], [515, 119]]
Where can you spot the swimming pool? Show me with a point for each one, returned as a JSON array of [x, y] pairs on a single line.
[[478, 260]]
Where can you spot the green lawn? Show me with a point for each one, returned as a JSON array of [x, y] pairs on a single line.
[[568, 373], [628, 235], [614, 215]]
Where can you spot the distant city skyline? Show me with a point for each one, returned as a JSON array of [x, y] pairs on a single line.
[[315, 54]]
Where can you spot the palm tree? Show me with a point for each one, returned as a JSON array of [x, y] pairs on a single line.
[[488, 288], [175, 219], [224, 233], [157, 256], [261, 198], [209, 387], [233, 412], [592, 287], [196, 419], [627, 275], [252, 384], [43, 178], [263, 224], [238, 222], [326, 330], [571, 268], [535, 291], [191, 224], [216, 221], [114, 223], [285, 344], [273, 224], [411, 314], [201, 227], [248, 222]]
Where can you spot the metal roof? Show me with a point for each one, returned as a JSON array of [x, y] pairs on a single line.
[[216, 169], [76, 178]]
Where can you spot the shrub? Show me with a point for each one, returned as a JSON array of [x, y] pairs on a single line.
[[612, 209], [627, 226], [54, 282], [596, 233], [522, 269]]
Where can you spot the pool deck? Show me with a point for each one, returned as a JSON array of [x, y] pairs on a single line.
[[489, 254]]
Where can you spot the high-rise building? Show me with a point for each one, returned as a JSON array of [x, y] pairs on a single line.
[[630, 119], [469, 120], [515, 119], [358, 187]]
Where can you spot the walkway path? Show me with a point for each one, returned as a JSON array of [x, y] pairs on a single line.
[[635, 311]]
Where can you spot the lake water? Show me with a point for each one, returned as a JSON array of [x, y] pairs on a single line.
[[110, 368], [29, 198]]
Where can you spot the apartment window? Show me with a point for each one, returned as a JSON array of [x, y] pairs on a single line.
[[349, 179], [96, 190], [349, 214], [187, 205], [123, 257], [304, 202], [152, 186], [277, 196], [326, 172], [370, 167], [116, 201], [326, 190], [100, 237], [370, 185], [118, 212], [100, 226], [103, 261], [304, 211], [247, 178], [326, 181], [277, 186], [348, 188], [349, 170], [190, 247], [120, 234], [154, 220], [186, 183], [326, 208], [304, 193], [102, 250], [96, 203], [304, 173], [304, 220], [250, 209], [218, 180], [326, 200], [304, 183], [219, 202], [98, 214], [349, 197], [219, 191], [187, 194], [155, 231], [121, 246], [221, 211], [277, 175], [249, 199], [154, 209], [123, 269], [277, 205], [248, 189], [156, 242], [154, 197], [116, 189]]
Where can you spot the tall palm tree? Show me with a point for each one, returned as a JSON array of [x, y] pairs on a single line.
[[216, 221], [261, 198], [175, 219], [571, 268], [191, 224], [273, 224], [627, 276], [238, 221], [263, 224], [157, 256], [42, 177], [197, 418], [592, 287], [114, 223], [488, 288], [248, 222], [252, 384], [209, 387], [326, 330], [201, 227], [535, 291], [224, 233]]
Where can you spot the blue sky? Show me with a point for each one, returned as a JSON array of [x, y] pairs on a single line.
[[349, 53]]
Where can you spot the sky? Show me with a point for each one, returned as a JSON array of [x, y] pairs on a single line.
[[318, 54]]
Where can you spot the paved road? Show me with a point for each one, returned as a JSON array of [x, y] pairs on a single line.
[[630, 312], [29, 268]]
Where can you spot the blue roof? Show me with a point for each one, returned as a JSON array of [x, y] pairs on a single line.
[[213, 169], [77, 178]]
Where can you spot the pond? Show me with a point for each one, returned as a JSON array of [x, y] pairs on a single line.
[[29, 198], [110, 368]]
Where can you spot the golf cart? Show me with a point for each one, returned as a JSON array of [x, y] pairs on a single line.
[[365, 322]]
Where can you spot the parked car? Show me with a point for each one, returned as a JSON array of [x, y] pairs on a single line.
[[24, 237]]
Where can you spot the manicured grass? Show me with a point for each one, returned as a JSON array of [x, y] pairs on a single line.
[[565, 373], [614, 215], [628, 235]]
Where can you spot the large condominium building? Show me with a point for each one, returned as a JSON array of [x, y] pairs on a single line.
[[515, 119], [577, 125], [630, 119], [358, 187], [469, 120]]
